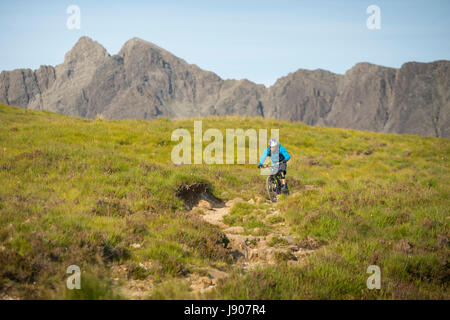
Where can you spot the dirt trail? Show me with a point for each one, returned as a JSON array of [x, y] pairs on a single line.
[[247, 250]]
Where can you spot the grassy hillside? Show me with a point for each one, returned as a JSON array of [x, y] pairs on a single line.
[[103, 195]]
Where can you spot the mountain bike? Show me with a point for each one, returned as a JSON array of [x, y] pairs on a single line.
[[273, 182]]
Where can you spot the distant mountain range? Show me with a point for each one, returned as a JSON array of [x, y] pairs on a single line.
[[145, 81]]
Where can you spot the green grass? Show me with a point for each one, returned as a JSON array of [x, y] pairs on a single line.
[[246, 215], [78, 191]]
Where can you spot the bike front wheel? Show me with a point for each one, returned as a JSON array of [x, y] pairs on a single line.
[[271, 186]]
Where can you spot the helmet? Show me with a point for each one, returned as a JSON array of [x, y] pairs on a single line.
[[273, 143]]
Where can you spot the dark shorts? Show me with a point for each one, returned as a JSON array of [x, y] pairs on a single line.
[[282, 169]]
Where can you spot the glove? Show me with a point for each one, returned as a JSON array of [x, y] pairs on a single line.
[[259, 166]]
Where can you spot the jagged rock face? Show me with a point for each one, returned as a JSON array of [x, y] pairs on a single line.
[[363, 98], [421, 100], [239, 98], [145, 81], [19, 87], [304, 95]]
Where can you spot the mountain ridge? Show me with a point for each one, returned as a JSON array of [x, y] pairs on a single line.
[[146, 81]]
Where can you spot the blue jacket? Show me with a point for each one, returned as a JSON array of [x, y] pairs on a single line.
[[275, 157]]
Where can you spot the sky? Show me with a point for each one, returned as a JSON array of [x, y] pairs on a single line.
[[255, 39]]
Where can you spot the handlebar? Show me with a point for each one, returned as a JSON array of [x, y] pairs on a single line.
[[273, 165]]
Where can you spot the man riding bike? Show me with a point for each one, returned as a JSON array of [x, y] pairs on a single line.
[[279, 156]]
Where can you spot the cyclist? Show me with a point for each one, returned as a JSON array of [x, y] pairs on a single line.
[[279, 156]]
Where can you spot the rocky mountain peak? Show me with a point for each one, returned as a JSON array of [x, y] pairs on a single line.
[[85, 49], [137, 46]]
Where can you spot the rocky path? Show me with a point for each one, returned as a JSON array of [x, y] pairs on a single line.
[[250, 250]]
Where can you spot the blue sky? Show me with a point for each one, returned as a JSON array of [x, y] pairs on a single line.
[[258, 40]]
